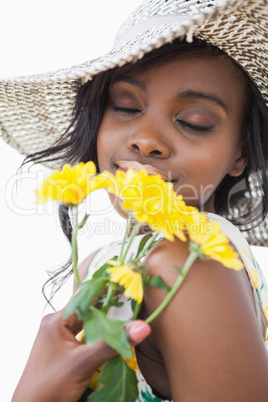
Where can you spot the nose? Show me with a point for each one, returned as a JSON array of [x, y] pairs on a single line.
[[149, 143]]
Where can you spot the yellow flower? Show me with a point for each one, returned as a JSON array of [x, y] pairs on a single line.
[[97, 182], [213, 243], [153, 202], [126, 275], [132, 363], [70, 185], [94, 380], [175, 220]]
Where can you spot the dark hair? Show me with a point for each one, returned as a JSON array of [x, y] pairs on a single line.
[[235, 197]]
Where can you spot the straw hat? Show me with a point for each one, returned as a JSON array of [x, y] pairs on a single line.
[[36, 110]]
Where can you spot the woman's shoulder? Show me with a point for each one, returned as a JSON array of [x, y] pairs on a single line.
[[167, 259], [210, 322], [207, 278]]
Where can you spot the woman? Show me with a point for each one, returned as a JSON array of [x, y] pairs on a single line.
[[135, 114]]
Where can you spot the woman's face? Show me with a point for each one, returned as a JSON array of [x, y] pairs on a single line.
[[182, 119]]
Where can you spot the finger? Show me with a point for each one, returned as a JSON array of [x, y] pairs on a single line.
[[73, 324], [137, 331], [94, 356], [90, 358]]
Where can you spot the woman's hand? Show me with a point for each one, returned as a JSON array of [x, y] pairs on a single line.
[[59, 367]]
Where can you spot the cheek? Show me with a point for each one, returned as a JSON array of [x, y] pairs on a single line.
[[100, 150], [104, 147], [109, 136], [204, 169], [214, 160]]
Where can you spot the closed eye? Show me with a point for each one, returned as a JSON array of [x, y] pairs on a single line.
[[126, 110], [195, 127]]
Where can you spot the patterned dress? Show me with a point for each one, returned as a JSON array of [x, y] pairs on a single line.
[[255, 275]]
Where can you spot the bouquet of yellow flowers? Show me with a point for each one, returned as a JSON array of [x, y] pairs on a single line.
[[147, 200]]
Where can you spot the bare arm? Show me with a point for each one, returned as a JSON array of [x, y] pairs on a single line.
[[208, 335]]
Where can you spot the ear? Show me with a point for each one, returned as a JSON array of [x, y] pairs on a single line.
[[240, 162]]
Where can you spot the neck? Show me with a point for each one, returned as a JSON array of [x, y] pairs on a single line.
[[209, 204]]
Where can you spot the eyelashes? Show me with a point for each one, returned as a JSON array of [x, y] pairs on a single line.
[[195, 127], [126, 110], [185, 124]]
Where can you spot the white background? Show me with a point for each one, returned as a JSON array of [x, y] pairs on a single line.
[[38, 37]]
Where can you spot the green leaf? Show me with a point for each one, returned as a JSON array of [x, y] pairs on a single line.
[[178, 269], [157, 282], [97, 326], [119, 383], [117, 303], [143, 242], [101, 272], [83, 298], [146, 280]]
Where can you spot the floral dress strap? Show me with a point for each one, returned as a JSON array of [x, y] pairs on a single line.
[[255, 274]]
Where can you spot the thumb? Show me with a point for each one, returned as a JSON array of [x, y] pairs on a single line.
[[91, 357], [137, 331]]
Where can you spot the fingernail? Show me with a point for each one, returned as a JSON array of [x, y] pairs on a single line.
[[138, 330]]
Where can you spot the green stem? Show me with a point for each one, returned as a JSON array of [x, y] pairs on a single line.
[[83, 221], [136, 311], [74, 246], [146, 247], [189, 262], [110, 293], [120, 259], [132, 235]]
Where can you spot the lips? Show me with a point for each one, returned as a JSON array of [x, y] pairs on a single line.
[[124, 165]]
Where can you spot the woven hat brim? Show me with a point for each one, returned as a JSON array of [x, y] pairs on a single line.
[[36, 110]]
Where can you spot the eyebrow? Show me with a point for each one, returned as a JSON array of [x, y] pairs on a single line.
[[133, 81], [184, 94], [203, 95]]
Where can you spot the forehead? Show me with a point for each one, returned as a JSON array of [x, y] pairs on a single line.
[[190, 54], [199, 70]]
